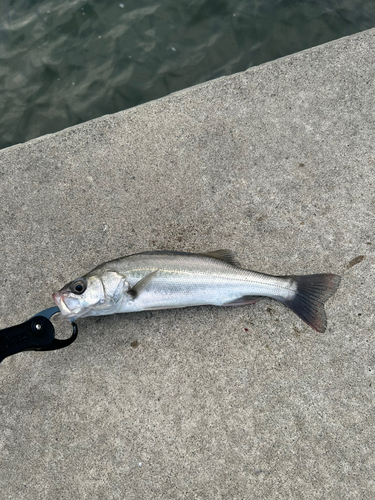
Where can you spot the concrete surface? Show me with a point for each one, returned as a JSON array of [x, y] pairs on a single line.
[[276, 163]]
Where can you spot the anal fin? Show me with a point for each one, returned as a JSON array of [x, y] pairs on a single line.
[[242, 301]]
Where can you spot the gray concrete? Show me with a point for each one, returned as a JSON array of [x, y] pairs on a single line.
[[278, 164]]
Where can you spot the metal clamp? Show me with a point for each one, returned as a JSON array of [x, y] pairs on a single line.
[[35, 334]]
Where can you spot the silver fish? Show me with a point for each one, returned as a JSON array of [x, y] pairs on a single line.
[[164, 280]]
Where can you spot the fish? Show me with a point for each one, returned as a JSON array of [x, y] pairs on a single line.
[[155, 280]]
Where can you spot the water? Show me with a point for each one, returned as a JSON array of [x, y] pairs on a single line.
[[65, 62]]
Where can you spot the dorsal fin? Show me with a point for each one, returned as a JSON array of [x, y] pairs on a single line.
[[225, 255]]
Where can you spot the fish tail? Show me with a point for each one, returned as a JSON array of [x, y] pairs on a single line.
[[308, 301]]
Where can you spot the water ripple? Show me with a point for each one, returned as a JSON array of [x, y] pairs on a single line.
[[65, 62]]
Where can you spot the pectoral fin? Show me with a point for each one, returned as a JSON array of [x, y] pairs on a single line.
[[135, 290]]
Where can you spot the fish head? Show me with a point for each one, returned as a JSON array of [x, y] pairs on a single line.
[[91, 295]]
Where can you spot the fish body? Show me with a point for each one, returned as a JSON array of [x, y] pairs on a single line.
[[164, 280]]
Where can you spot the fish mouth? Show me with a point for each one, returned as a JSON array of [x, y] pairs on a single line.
[[65, 311], [58, 300], [70, 313]]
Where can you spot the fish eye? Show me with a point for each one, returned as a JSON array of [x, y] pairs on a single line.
[[79, 286]]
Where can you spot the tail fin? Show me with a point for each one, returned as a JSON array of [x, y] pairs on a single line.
[[312, 292]]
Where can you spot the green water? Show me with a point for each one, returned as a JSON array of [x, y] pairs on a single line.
[[64, 62]]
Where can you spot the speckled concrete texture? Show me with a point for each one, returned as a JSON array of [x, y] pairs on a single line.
[[277, 164]]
